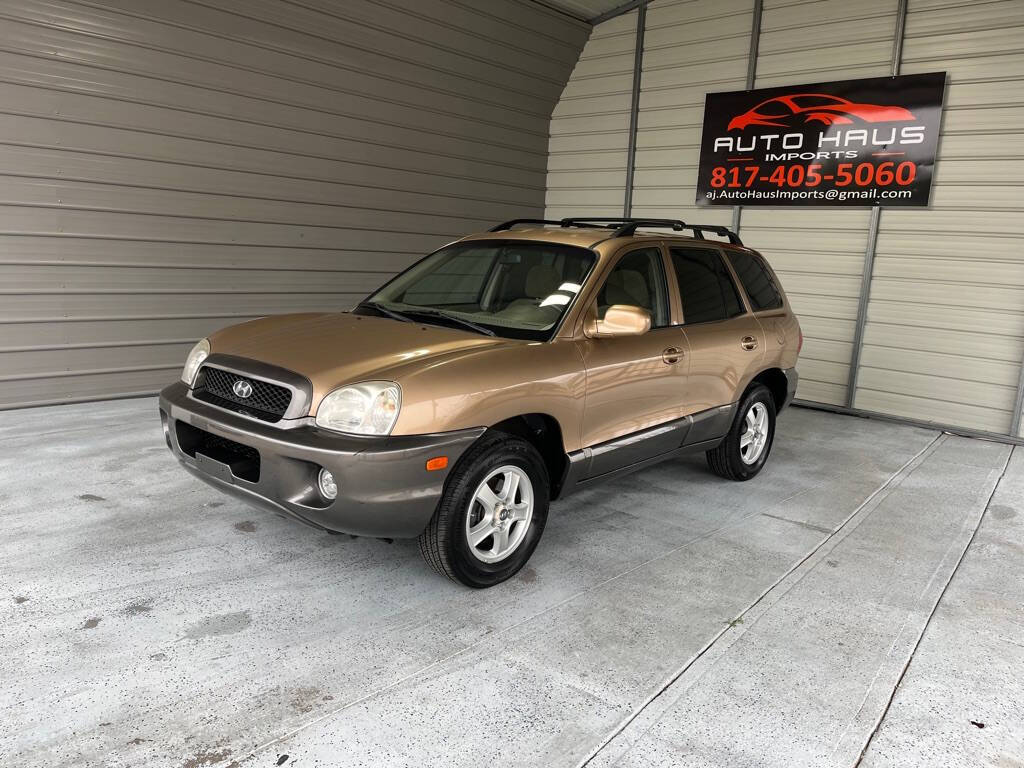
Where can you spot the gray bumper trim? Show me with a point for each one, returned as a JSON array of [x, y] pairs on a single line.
[[384, 488], [792, 379]]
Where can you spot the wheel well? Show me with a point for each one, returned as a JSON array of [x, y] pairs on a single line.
[[545, 434], [775, 380]]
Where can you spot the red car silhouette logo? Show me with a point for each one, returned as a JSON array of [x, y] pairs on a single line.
[[806, 108]]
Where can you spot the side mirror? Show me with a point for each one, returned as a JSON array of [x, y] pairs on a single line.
[[619, 320]]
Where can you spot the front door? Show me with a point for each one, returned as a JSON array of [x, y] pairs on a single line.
[[634, 383]]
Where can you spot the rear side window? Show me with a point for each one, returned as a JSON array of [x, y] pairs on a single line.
[[705, 286], [757, 281]]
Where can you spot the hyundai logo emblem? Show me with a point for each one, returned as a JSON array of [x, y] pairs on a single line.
[[242, 388]]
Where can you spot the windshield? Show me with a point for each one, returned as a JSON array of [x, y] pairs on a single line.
[[505, 288]]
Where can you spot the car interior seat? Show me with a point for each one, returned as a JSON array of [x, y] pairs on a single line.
[[542, 280], [624, 286]]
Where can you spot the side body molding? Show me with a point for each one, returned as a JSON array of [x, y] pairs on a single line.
[[690, 434]]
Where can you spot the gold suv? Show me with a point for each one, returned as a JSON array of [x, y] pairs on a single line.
[[495, 375]]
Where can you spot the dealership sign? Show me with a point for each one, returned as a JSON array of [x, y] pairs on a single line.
[[851, 142]]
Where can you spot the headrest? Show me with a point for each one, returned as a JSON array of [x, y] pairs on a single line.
[[626, 286], [541, 281]]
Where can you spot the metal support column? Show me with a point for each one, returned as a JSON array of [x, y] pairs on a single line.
[[755, 41], [873, 225], [634, 107]]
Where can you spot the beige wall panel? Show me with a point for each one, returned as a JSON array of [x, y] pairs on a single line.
[[954, 275], [99, 251], [693, 48], [590, 126], [62, 306], [889, 398], [251, 44], [819, 252], [171, 167], [306, 157], [67, 386], [83, 333]]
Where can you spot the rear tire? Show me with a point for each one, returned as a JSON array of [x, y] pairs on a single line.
[[744, 451], [491, 514]]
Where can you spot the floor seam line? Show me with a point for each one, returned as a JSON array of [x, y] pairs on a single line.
[[461, 651], [469, 648], [884, 487], [931, 614]]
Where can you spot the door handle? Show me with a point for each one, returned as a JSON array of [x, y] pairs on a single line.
[[748, 342], [671, 355]]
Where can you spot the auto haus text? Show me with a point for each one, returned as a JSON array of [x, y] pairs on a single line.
[[837, 144]]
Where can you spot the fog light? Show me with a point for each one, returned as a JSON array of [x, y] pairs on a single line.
[[328, 487]]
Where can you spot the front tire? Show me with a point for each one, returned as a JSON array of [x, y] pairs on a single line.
[[744, 451], [491, 514]]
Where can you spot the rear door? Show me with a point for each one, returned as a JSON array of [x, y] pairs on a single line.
[[767, 302], [726, 341]]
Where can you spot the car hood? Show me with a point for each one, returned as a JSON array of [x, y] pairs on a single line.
[[333, 349]]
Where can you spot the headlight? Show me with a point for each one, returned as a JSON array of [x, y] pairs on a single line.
[[195, 358], [369, 408]]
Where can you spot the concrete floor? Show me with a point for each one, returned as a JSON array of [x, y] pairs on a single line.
[[824, 614]]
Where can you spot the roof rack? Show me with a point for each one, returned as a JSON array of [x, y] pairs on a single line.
[[515, 222], [698, 232], [626, 226]]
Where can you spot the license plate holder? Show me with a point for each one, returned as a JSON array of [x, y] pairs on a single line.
[[217, 469]]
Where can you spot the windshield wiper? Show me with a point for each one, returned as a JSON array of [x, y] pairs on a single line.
[[406, 317], [394, 315], [453, 318]]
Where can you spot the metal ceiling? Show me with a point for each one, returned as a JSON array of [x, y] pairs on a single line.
[[592, 11]]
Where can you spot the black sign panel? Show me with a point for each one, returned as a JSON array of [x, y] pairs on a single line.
[[851, 142]]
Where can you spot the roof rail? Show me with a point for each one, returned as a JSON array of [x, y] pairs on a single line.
[[626, 226], [623, 226], [515, 222], [698, 232]]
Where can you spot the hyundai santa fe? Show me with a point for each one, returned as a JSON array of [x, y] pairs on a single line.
[[499, 373]]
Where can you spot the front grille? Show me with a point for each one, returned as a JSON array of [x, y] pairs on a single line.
[[244, 460], [267, 401]]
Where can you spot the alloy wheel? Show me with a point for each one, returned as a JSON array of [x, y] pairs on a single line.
[[754, 437], [499, 514]]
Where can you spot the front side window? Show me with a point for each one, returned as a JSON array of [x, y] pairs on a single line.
[[757, 281], [637, 279], [706, 290], [503, 288]]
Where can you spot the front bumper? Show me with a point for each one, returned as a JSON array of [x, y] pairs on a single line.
[[384, 488]]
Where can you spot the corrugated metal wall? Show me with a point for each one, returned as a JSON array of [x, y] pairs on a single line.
[[945, 332], [172, 167], [944, 338], [689, 49], [590, 126], [819, 253]]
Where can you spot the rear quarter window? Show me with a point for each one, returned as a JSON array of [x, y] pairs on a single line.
[[757, 281]]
